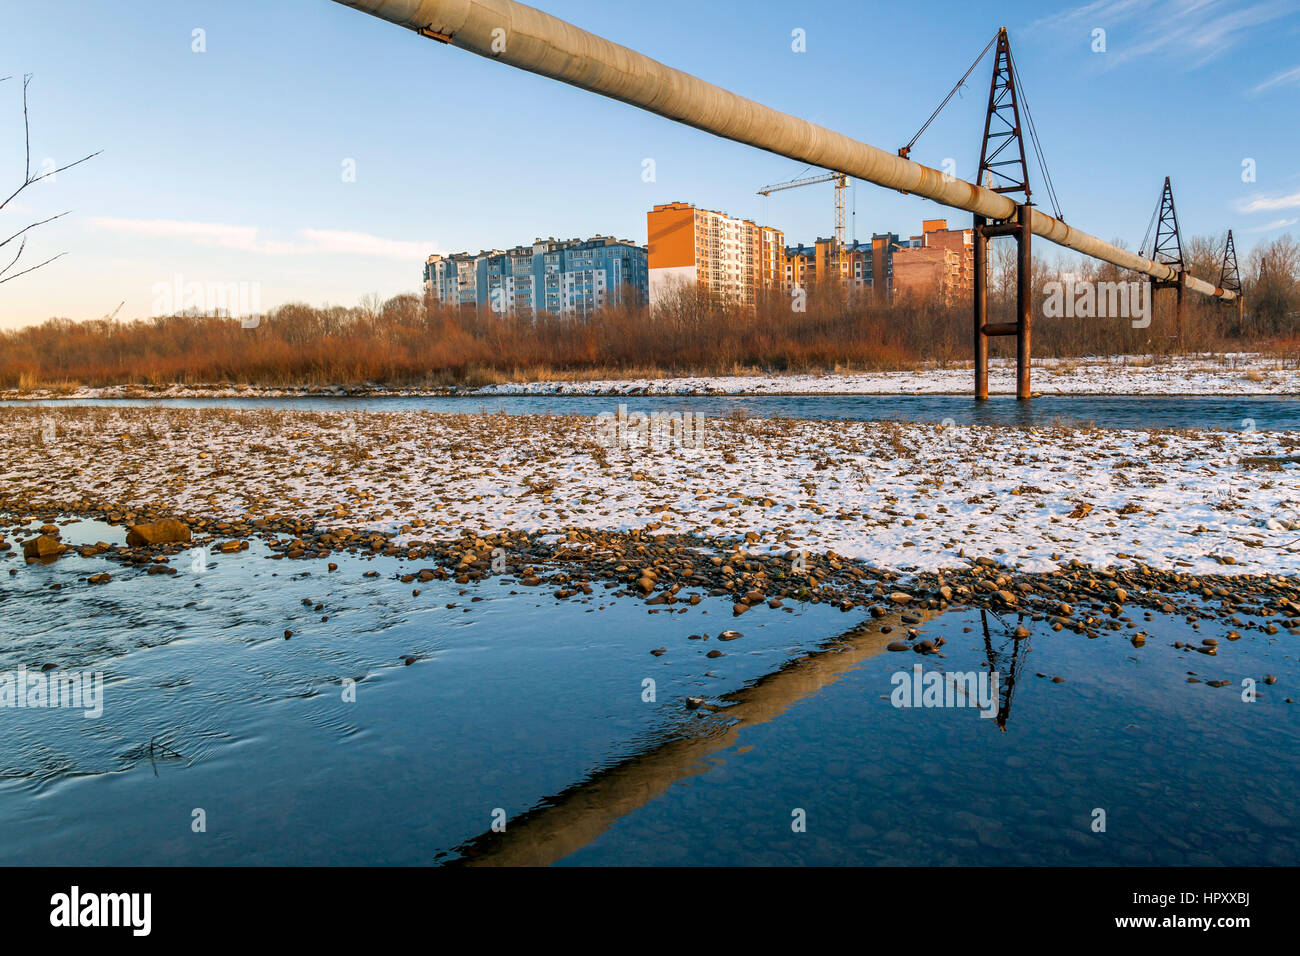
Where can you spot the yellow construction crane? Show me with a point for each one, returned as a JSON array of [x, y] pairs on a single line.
[[839, 264]]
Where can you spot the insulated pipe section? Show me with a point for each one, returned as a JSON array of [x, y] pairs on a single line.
[[529, 39]]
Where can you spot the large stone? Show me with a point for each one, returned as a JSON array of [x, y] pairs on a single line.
[[45, 546], [166, 531]]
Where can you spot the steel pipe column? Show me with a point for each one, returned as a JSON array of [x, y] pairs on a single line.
[[980, 285], [1022, 327], [1024, 299]]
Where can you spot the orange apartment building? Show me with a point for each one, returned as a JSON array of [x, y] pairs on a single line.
[[803, 265], [735, 258], [939, 262]]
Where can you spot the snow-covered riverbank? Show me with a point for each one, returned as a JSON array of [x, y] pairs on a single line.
[[1127, 375], [898, 496], [1232, 374]]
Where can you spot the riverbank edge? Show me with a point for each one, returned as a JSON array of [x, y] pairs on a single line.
[[663, 570], [1238, 374]]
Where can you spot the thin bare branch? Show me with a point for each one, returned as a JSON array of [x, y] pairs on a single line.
[[28, 180], [27, 137], [52, 172], [21, 246], [32, 226], [33, 268]]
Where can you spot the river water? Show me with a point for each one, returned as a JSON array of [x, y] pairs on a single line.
[[553, 719], [1229, 412]]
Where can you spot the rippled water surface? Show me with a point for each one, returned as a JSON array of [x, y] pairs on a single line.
[[522, 707], [510, 698], [1114, 411]]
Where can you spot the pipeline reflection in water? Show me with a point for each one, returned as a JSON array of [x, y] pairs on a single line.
[[573, 818]]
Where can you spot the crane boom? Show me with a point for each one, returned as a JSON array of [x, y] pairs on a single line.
[[839, 265], [809, 181]]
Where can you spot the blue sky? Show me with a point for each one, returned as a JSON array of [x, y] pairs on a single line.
[[227, 166]]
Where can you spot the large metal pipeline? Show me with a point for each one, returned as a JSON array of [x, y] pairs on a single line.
[[529, 39]]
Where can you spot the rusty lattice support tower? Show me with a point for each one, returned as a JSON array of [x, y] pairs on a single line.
[[1230, 279], [1004, 169], [1168, 249]]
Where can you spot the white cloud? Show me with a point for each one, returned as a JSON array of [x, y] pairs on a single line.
[[245, 238], [1286, 77], [361, 244], [1192, 31], [1275, 224], [1270, 203], [210, 233]]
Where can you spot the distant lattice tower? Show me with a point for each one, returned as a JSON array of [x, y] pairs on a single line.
[[1230, 277]]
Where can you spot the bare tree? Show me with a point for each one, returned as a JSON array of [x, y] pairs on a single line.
[[7, 273], [1272, 276]]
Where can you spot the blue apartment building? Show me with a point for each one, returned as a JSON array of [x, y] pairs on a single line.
[[568, 278]]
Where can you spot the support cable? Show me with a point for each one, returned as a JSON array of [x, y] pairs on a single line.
[[1037, 144], [1142, 249], [951, 93]]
